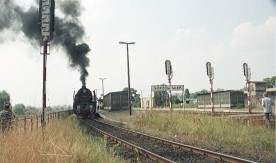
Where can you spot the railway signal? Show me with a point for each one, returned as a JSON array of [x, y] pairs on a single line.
[[168, 67], [46, 27], [169, 73], [247, 74], [210, 74]]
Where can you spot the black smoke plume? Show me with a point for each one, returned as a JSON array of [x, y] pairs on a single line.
[[68, 30], [7, 14]]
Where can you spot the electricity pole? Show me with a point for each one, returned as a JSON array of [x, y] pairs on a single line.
[[129, 104], [141, 99], [102, 86], [96, 90]]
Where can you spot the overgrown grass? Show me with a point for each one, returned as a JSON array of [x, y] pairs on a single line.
[[216, 133], [61, 141]]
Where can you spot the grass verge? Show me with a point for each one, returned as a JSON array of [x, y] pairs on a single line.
[[60, 141], [219, 134]]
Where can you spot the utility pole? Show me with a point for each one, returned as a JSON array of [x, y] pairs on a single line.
[[129, 103], [102, 86], [96, 90], [141, 99]]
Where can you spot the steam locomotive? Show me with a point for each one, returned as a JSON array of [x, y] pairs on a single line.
[[84, 105]]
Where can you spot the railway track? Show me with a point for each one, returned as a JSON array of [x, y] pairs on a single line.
[[157, 149]]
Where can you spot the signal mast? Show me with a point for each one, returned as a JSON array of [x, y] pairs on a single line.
[[210, 74], [46, 24], [247, 74], [169, 73]]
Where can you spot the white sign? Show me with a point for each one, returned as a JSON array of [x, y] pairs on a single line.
[[45, 19], [167, 88]]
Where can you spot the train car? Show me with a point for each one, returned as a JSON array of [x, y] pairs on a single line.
[[84, 105]]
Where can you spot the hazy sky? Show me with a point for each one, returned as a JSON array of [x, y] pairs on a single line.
[[189, 33]]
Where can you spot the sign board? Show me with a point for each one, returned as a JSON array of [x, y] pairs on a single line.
[[167, 88]]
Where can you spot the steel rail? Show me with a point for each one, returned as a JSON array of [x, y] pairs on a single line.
[[196, 150], [133, 147]]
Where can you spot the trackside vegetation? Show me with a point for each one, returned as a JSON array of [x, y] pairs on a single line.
[[61, 141], [220, 134]]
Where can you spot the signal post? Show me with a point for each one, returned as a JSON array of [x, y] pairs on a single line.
[[46, 28], [247, 74], [210, 74], [169, 73]]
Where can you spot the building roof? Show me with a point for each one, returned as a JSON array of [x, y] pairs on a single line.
[[116, 92], [271, 89], [257, 82], [220, 92]]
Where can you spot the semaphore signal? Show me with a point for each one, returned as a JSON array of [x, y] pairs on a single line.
[[169, 73], [210, 74], [247, 74], [46, 24]]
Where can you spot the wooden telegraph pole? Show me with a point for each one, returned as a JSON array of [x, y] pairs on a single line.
[[128, 75]]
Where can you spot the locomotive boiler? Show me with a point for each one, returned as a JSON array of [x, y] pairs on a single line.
[[84, 105]]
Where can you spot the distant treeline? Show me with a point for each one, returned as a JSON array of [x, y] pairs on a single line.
[[21, 109]]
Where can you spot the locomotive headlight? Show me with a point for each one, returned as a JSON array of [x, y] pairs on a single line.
[[90, 106], [78, 107]]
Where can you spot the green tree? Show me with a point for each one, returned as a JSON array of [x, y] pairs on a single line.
[[137, 101], [186, 93], [161, 98], [194, 95], [19, 109], [30, 110], [203, 91], [270, 82], [4, 96], [219, 89], [49, 109], [177, 101], [134, 97], [176, 97]]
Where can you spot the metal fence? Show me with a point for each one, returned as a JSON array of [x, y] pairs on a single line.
[[30, 122]]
